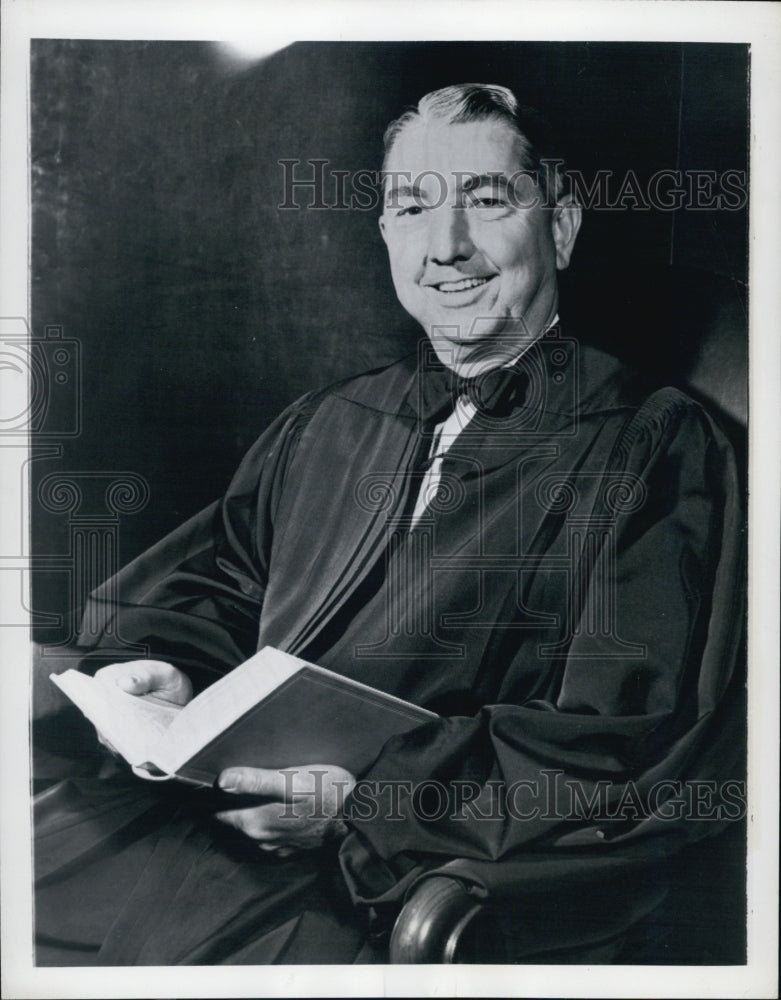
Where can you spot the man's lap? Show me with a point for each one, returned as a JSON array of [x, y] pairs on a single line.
[[128, 874]]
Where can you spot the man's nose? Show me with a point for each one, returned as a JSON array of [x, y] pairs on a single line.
[[449, 239]]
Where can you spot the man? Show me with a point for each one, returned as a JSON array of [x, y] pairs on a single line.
[[513, 531]]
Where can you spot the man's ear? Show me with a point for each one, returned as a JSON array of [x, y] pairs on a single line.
[[381, 223], [567, 216]]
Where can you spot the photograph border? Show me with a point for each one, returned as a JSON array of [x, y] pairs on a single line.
[[758, 25]]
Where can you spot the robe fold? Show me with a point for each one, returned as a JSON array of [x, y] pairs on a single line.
[[570, 605]]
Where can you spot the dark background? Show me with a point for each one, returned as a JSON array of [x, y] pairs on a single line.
[[201, 309]]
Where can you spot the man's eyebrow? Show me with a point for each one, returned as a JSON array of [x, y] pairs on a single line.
[[466, 180], [404, 190], [471, 182]]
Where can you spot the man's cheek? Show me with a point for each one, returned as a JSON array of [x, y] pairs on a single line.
[[403, 273]]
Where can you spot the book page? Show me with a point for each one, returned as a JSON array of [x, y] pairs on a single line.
[[131, 723], [222, 704]]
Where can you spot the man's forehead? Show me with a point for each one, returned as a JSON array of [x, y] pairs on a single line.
[[482, 148]]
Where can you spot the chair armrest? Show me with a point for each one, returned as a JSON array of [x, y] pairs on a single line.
[[431, 923]]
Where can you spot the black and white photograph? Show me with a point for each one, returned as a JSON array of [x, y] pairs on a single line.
[[384, 509]]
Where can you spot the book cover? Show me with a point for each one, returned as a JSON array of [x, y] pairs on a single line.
[[272, 711]]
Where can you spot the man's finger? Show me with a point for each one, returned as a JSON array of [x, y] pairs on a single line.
[[263, 823], [144, 676], [138, 683], [256, 781], [138, 677]]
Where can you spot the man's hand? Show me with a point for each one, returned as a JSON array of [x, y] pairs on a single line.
[[146, 677], [303, 811]]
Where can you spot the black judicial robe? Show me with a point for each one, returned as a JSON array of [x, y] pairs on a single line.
[[570, 605]]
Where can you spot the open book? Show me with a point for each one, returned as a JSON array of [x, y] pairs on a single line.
[[272, 711]]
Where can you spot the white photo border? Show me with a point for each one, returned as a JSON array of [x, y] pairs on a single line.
[[759, 25]]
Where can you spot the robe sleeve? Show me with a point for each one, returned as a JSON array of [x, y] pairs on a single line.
[[194, 599], [623, 756]]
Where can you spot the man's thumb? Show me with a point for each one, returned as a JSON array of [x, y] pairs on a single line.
[[147, 675], [253, 781], [134, 683]]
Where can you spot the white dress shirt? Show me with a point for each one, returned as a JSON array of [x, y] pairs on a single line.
[[445, 433]]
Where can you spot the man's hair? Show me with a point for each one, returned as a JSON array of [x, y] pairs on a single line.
[[474, 102]]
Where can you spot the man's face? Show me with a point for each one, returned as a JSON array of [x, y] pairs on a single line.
[[473, 260]]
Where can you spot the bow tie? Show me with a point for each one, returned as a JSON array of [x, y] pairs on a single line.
[[492, 393]]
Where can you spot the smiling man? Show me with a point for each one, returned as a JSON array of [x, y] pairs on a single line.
[[510, 529], [474, 246]]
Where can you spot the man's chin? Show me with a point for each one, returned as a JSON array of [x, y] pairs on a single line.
[[483, 338]]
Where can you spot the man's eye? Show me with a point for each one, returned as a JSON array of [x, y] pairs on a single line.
[[409, 210], [488, 202]]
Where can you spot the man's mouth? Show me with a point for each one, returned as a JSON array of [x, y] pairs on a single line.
[[460, 286]]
